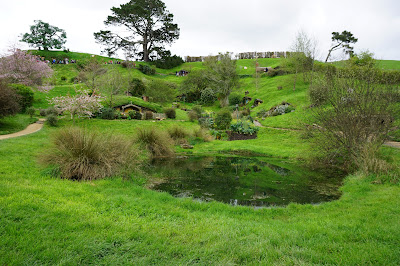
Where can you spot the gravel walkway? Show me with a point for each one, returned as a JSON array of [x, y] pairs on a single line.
[[29, 130]]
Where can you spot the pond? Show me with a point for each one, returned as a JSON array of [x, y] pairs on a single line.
[[258, 182]]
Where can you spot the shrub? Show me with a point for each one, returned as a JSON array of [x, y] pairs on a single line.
[[107, 113], [244, 128], [223, 119], [26, 95], [148, 115], [176, 132], [234, 99], [30, 111], [202, 134], [145, 69], [157, 142], [198, 109], [193, 115], [135, 115], [168, 62], [161, 91], [137, 87], [127, 64], [51, 111], [9, 101], [63, 78], [206, 122], [86, 155], [208, 96], [170, 113], [52, 120], [42, 112]]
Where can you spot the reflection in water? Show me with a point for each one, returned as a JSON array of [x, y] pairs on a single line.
[[242, 181]]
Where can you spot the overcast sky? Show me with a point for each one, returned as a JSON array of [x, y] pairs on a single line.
[[212, 26]]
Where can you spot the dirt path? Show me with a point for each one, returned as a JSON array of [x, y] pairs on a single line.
[[393, 144], [29, 130]]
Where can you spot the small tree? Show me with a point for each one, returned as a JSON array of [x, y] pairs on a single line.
[[223, 75], [9, 100], [112, 84], [24, 68], [161, 91], [342, 40], [91, 73], [81, 105], [43, 35]]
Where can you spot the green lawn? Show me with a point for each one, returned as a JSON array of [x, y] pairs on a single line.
[[16, 123], [51, 221]]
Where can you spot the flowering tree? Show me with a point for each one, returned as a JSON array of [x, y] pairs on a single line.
[[24, 68], [81, 105]]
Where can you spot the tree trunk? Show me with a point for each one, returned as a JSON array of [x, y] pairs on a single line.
[[145, 50]]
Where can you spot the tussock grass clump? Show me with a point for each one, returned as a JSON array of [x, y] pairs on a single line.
[[177, 132], [157, 142], [203, 134], [79, 154]]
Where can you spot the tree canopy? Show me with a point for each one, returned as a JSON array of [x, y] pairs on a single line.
[[149, 24], [342, 40], [43, 35]]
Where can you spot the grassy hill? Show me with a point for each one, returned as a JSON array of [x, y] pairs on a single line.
[[46, 220]]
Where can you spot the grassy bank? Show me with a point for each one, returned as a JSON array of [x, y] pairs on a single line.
[[114, 221]]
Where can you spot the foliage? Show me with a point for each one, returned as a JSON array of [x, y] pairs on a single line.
[[223, 75], [30, 111], [170, 113], [147, 70], [161, 91], [234, 99], [24, 68], [206, 122], [91, 73], [192, 115], [208, 96], [51, 111], [167, 61], [81, 104], [342, 40], [113, 83], [80, 154], [26, 95], [157, 142], [107, 113], [136, 87], [223, 119], [52, 120], [148, 115], [358, 111], [195, 83], [245, 128], [150, 26], [198, 109], [43, 35], [135, 115], [177, 132], [9, 101]]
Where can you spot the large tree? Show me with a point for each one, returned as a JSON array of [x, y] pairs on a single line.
[[43, 35], [342, 40], [149, 25]]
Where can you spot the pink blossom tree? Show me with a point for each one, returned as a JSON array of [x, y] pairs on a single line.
[[79, 105], [24, 68]]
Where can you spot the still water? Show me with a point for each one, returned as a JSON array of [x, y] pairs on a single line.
[[258, 182]]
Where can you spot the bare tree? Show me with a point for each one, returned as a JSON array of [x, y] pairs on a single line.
[[113, 83]]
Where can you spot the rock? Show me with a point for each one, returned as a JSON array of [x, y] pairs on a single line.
[[186, 146]]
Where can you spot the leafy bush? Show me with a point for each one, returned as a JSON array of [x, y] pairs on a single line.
[[135, 115], [86, 155], [63, 78], [127, 64], [318, 94], [145, 69], [30, 111], [137, 87], [26, 95], [208, 96], [170, 113], [9, 101], [198, 109], [192, 115], [234, 99], [168, 62], [206, 122], [161, 91], [148, 115], [202, 134], [42, 112], [223, 119], [107, 113], [52, 120], [157, 142], [244, 128], [51, 111]]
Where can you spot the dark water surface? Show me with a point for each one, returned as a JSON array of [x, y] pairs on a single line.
[[242, 181]]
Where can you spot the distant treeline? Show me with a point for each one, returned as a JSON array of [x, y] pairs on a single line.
[[246, 55]]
